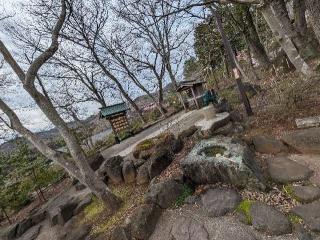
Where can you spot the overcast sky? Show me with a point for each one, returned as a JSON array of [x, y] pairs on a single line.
[[15, 95]]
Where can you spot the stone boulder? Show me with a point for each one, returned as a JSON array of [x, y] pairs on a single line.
[[73, 232], [304, 141], [220, 160], [148, 147], [129, 172], [185, 134], [310, 213], [189, 229], [63, 213], [111, 170], [23, 226], [283, 170], [9, 233], [38, 217], [96, 161], [86, 201], [219, 202], [268, 145], [144, 149], [119, 233], [208, 127], [269, 220], [143, 221], [32, 233], [306, 194], [164, 194], [138, 162], [143, 174], [159, 161]]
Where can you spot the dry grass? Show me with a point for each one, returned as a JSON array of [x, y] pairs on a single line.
[[282, 100], [102, 223]]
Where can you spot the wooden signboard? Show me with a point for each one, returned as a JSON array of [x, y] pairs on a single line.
[[119, 123]]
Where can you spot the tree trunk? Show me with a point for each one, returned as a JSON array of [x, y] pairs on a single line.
[[313, 7], [285, 41], [6, 215], [233, 61], [281, 13], [113, 78], [253, 40], [300, 22]]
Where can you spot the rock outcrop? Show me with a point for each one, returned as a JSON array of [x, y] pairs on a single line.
[[233, 163], [219, 202], [304, 141]]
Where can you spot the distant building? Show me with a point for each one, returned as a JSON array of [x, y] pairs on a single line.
[[191, 93]]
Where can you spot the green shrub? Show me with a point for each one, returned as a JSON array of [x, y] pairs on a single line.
[[186, 192], [174, 101], [146, 144], [244, 208], [153, 115], [124, 134], [136, 126], [294, 219]]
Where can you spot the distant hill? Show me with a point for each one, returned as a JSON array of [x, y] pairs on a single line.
[[99, 125]]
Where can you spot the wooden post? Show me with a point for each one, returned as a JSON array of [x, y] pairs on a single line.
[[183, 103], [232, 59], [195, 98]]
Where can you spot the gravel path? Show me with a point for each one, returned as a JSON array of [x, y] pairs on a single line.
[[175, 123]]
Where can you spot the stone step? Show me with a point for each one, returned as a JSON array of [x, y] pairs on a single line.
[[306, 194], [310, 213], [219, 202], [283, 170], [304, 141], [269, 220]]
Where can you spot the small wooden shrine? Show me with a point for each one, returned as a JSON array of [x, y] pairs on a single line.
[[117, 116], [191, 93]]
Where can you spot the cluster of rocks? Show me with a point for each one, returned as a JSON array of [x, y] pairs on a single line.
[[147, 161], [29, 228], [293, 176], [306, 141], [142, 222], [235, 165]]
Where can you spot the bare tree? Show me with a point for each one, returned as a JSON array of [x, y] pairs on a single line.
[[78, 165], [166, 35], [300, 22], [275, 14], [245, 24], [313, 6], [86, 27]]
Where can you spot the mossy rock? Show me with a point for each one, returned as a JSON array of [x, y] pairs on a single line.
[[145, 145]]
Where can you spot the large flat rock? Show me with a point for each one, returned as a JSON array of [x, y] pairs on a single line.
[[306, 194], [189, 229], [235, 165], [219, 202], [207, 127], [266, 144], [269, 220], [284, 170], [310, 213], [305, 141]]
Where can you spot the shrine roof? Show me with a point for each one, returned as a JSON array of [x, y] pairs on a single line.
[[188, 84], [113, 110]]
